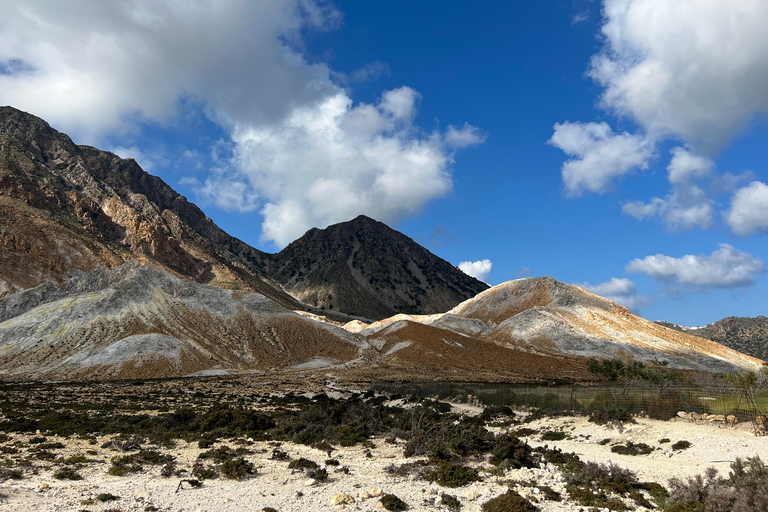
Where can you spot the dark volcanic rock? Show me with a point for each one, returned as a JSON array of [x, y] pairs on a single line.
[[365, 268]]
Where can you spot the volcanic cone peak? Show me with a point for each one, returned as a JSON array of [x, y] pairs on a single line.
[[365, 268]]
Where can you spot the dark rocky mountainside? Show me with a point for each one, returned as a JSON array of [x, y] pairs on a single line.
[[365, 268], [66, 208], [745, 334]]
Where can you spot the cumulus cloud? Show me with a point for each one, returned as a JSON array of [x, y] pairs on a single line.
[[342, 160], [302, 153], [689, 69], [621, 291], [598, 155], [748, 213], [687, 206], [480, 269], [464, 137], [693, 71], [726, 267]]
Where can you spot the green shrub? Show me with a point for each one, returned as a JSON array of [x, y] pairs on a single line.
[[549, 493], [452, 502], [10, 474], [203, 472], [236, 469], [37, 440], [510, 452], [67, 474], [553, 435], [452, 475], [745, 489], [681, 445], [107, 497], [509, 502], [393, 503], [351, 434], [303, 464], [331, 462], [632, 449]]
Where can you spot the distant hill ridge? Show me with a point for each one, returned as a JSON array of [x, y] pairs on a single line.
[[65, 208], [745, 334]]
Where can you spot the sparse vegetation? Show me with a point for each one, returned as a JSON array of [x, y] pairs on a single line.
[[632, 449], [509, 502], [681, 445], [745, 489], [393, 503]]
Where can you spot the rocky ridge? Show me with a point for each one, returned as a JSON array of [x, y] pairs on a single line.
[[545, 317], [745, 334]]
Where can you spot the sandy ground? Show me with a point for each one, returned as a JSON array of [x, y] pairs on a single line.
[[278, 487]]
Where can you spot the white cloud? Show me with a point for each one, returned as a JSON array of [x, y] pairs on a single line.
[[620, 290], [303, 153], [687, 206], [748, 213], [336, 160], [480, 269], [726, 267], [690, 69], [463, 137], [598, 155]]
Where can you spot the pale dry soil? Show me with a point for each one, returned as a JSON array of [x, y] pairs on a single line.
[[276, 486]]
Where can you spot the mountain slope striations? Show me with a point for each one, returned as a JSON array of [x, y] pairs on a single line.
[[546, 317], [65, 207], [139, 321], [365, 268]]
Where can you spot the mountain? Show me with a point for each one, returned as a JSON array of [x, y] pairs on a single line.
[[139, 321], [745, 334], [65, 208], [546, 317], [365, 268]]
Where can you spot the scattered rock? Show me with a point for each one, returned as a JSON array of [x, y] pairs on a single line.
[[374, 492], [472, 494], [342, 499]]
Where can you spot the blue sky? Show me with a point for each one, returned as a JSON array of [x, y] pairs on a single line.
[[620, 145]]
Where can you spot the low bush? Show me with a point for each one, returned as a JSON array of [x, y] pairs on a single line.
[[452, 475], [509, 502], [553, 435], [104, 497], [745, 489], [509, 452], [236, 469], [451, 502], [632, 449], [681, 445], [303, 464], [393, 503], [549, 493], [203, 472], [10, 474], [67, 474]]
